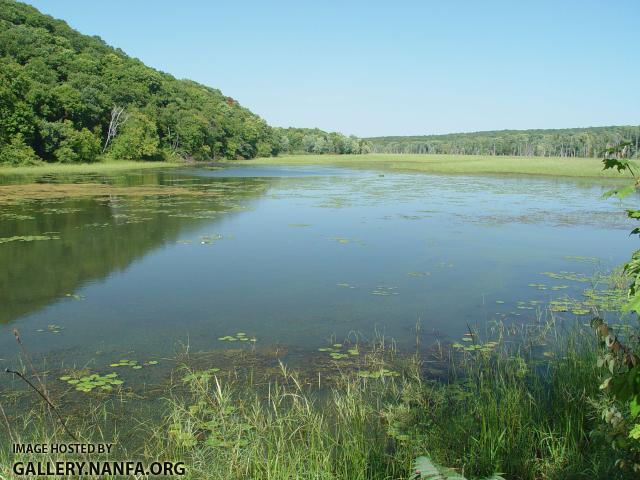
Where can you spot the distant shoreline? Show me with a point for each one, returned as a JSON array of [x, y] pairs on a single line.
[[453, 164]]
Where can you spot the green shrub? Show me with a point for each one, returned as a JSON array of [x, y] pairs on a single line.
[[17, 152]]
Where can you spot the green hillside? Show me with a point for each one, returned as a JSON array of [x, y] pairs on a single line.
[[70, 98]]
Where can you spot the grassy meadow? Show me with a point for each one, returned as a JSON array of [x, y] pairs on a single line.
[[451, 164], [84, 168]]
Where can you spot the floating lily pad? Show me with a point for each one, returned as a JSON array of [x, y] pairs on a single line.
[[88, 383], [240, 336]]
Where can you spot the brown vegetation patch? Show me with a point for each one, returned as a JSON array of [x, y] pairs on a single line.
[[14, 193]]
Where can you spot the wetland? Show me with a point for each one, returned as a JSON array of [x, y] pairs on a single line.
[[132, 289]]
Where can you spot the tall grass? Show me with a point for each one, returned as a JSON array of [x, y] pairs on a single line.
[[508, 409], [284, 430]]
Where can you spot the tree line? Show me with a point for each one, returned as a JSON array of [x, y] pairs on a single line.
[[568, 142], [68, 97], [316, 141]]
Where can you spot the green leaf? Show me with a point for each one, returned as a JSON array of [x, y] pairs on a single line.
[[633, 305], [621, 193], [619, 164], [634, 407], [626, 386]]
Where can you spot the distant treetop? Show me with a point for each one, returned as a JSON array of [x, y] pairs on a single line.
[[566, 142]]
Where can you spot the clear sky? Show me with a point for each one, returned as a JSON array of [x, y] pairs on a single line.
[[390, 67]]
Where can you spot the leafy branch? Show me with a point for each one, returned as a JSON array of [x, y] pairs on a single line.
[[620, 409]]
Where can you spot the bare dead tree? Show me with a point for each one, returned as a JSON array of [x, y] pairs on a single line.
[[118, 117], [174, 140]]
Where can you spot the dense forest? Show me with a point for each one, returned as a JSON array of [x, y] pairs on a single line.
[[67, 97], [568, 142], [316, 141]]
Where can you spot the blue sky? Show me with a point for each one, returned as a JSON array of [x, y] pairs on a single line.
[[390, 68]]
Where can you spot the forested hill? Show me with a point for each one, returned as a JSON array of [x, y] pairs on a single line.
[[568, 142], [68, 97], [58, 89]]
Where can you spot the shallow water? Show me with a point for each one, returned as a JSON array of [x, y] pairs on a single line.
[[292, 257]]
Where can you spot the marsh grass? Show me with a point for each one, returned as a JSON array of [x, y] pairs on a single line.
[[97, 167], [451, 164], [513, 413], [508, 409]]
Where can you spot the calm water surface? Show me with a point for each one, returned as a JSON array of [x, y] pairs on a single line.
[[292, 256]]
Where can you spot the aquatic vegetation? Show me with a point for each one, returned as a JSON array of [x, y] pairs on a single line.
[[575, 258], [29, 238], [337, 351], [345, 285], [485, 347], [239, 337], [14, 193], [87, 383], [435, 163], [134, 364], [384, 291], [51, 328], [381, 373], [63, 211], [95, 225], [342, 240], [74, 296], [564, 275], [608, 299], [16, 216], [199, 375], [209, 239]]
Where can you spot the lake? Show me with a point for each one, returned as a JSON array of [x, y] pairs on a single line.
[[294, 257]]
